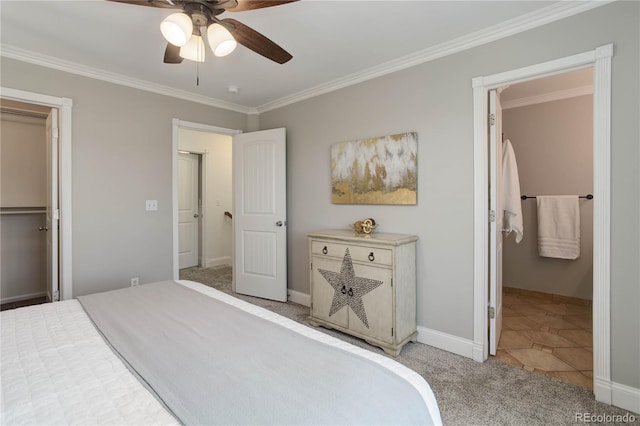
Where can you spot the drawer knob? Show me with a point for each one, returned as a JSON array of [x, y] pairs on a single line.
[[344, 290], [350, 292], [324, 250], [371, 257]]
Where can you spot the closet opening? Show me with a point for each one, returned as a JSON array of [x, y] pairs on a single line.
[[547, 181], [29, 187]]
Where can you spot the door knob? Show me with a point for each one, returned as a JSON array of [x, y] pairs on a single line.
[[279, 223], [196, 215], [43, 228]]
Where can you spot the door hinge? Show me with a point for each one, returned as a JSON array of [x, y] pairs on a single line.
[[56, 296], [391, 282], [391, 331], [492, 312], [492, 119], [492, 216]]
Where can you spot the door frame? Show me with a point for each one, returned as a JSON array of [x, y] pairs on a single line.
[[64, 107], [181, 124], [600, 59]]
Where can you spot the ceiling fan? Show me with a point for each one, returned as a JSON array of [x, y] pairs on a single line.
[[183, 30]]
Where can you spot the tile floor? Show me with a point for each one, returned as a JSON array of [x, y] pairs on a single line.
[[547, 334]]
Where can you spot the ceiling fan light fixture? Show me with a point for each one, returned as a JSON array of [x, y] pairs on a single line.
[[194, 49], [220, 40], [177, 28]]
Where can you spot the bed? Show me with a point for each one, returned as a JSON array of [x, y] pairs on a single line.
[[179, 352]]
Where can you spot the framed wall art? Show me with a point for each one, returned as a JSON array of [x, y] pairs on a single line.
[[381, 170]]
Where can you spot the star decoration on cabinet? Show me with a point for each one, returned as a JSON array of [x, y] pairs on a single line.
[[348, 288]]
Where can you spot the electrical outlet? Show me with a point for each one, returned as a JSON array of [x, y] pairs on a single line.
[[135, 281], [151, 205]]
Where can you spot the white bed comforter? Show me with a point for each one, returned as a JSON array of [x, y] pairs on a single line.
[[55, 368]]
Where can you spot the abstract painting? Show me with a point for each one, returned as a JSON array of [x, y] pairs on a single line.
[[381, 170]]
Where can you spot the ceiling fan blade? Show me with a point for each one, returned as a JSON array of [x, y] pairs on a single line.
[[257, 4], [167, 4], [255, 41], [172, 54]]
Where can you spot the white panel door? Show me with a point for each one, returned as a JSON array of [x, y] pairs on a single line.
[[260, 207], [52, 214], [495, 226], [188, 210]]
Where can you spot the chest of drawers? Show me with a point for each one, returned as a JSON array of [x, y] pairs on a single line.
[[365, 285]]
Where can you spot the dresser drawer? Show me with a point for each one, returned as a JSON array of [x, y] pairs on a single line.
[[373, 255]]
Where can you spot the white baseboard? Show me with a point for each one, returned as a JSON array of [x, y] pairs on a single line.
[[602, 390], [218, 261], [22, 297], [446, 342], [298, 297], [625, 397], [616, 394], [478, 352]]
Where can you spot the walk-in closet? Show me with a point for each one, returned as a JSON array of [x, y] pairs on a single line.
[[23, 194]]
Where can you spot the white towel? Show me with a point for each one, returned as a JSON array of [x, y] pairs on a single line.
[[512, 219], [558, 226]]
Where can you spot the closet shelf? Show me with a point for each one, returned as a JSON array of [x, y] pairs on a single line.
[[22, 210]]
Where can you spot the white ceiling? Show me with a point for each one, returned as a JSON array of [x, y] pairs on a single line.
[[333, 43]]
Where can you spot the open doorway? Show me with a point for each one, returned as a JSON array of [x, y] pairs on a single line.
[[547, 124], [203, 203], [600, 60], [23, 204], [58, 198], [258, 196]]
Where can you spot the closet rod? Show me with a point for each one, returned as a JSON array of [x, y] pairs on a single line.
[[22, 210], [588, 196]]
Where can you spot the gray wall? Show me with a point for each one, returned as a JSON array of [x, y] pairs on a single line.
[[121, 156], [435, 100], [553, 143]]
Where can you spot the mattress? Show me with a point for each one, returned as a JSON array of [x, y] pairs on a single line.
[[56, 368]]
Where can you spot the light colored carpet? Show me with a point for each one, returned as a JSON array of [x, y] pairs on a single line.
[[468, 392]]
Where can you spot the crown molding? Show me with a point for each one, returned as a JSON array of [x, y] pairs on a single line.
[[552, 13], [24, 55], [548, 97], [549, 14]]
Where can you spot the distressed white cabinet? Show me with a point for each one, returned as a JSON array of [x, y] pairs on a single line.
[[365, 285]]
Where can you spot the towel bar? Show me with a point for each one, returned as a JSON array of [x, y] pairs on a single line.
[[588, 196]]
